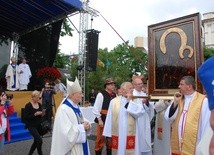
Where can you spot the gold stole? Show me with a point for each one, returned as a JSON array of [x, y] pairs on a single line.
[[130, 141], [188, 143]]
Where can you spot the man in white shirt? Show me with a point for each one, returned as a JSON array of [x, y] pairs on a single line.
[[100, 110]]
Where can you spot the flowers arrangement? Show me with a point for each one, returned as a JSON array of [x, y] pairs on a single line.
[[48, 73]]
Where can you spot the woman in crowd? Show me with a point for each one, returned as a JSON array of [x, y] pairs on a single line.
[[6, 109], [33, 117]]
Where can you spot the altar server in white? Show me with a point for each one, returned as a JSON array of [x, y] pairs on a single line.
[[70, 127], [24, 75]]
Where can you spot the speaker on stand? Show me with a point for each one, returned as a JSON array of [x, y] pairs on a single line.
[[92, 37]]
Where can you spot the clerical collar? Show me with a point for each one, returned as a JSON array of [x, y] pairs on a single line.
[[190, 96]]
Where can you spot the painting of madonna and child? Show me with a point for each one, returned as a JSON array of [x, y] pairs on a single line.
[[175, 51]]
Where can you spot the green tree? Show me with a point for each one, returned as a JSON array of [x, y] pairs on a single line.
[[61, 61], [66, 29], [73, 67], [120, 64], [208, 52]]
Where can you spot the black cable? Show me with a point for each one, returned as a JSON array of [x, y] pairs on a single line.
[[72, 24], [130, 48], [113, 28]]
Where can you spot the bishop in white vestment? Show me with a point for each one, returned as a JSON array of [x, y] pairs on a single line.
[[70, 127], [12, 76]]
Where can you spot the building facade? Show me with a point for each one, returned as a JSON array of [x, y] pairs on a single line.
[[141, 43], [208, 29]]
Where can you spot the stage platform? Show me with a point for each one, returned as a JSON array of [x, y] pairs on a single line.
[[20, 98]]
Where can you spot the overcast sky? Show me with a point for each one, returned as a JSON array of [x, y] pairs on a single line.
[[131, 19]]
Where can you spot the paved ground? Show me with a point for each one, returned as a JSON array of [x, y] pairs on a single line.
[[23, 147]]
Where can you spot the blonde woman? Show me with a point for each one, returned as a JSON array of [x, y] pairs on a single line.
[[33, 117]]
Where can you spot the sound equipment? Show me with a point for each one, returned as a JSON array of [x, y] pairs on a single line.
[[91, 49]]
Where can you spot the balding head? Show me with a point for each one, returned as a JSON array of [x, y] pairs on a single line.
[[138, 84]]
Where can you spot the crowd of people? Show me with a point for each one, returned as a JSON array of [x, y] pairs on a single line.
[[123, 119], [181, 123]]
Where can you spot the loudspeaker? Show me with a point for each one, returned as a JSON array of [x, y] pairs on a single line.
[[91, 49]]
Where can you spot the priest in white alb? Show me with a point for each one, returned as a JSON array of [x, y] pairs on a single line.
[[24, 75], [143, 127], [121, 123], [189, 116]]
